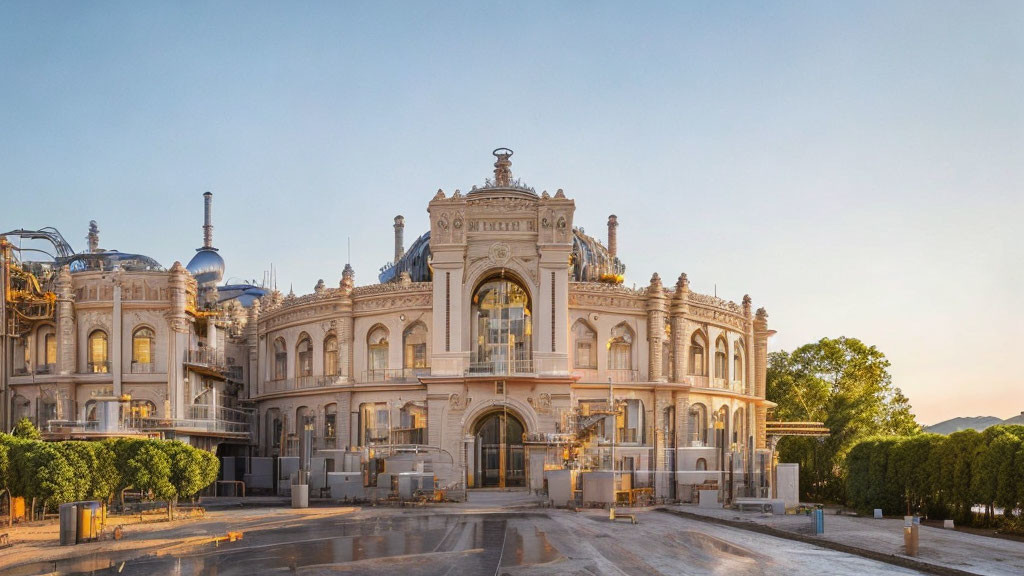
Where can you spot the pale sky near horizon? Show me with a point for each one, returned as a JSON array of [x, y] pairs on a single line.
[[856, 167]]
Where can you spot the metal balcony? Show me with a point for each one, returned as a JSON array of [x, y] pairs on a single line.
[[502, 366]]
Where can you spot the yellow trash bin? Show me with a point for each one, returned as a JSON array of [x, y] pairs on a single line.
[[18, 508], [86, 523]]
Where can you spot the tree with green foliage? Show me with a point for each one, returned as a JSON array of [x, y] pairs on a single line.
[[27, 430], [845, 384], [149, 470], [5, 475], [53, 479], [191, 469]]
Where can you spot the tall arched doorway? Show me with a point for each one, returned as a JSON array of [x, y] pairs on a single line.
[[499, 458]]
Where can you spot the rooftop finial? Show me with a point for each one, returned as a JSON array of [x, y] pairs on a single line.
[[503, 167], [93, 237]]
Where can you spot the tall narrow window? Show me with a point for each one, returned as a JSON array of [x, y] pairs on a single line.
[[280, 360], [304, 357], [50, 350], [415, 355], [620, 348], [331, 426], [97, 353], [331, 355], [721, 354], [377, 349], [698, 358], [698, 425], [586, 346], [142, 349], [738, 372]]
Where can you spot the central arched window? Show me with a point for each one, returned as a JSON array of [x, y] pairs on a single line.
[[280, 360], [620, 348], [98, 362], [142, 349], [331, 355], [698, 425], [721, 354], [304, 356], [377, 351], [586, 346], [502, 327]]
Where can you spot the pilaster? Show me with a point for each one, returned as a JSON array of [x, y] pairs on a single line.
[[655, 329]]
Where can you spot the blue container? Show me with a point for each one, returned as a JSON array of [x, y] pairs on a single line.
[[819, 521]]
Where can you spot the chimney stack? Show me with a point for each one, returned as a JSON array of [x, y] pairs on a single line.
[[399, 236], [93, 237], [207, 220], [613, 243]]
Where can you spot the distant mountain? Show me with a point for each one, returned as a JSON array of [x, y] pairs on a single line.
[[978, 423]]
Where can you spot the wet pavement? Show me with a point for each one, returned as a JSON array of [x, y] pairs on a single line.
[[427, 542]]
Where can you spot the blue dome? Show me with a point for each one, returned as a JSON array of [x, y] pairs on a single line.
[[207, 267]]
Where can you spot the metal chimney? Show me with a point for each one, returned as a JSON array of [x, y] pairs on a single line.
[[208, 220], [399, 236]]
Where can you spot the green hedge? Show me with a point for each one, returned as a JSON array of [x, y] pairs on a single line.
[[940, 475], [58, 472]]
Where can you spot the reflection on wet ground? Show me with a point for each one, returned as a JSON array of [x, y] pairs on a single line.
[[456, 544]]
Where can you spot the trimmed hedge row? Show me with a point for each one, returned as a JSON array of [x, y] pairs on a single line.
[[56, 472], [940, 476]]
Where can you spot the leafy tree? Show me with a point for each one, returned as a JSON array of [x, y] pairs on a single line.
[[191, 469], [149, 470], [845, 384], [27, 430], [954, 460], [5, 474], [51, 477]]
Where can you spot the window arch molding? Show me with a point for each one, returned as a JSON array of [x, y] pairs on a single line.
[[143, 347], [501, 335], [377, 348], [98, 351], [721, 358], [698, 361], [280, 366], [620, 347], [415, 346], [585, 351], [330, 351], [739, 361], [303, 355]]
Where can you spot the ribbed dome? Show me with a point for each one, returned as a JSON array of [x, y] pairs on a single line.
[[207, 267]]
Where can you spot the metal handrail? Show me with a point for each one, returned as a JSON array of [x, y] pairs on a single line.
[[501, 366]]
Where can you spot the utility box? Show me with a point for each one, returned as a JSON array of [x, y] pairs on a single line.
[[561, 484], [68, 524], [260, 476], [410, 484], [788, 484], [346, 485], [17, 508], [288, 466]]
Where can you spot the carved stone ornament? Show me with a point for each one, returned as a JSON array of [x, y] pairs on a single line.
[[499, 253], [458, 402]]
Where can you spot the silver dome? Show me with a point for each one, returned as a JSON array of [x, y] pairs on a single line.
[[207, 267]]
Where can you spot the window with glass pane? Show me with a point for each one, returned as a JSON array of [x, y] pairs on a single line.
[[415, 346], [620, 348], [586, 346], [331, 421], [304, 357], [50, 343], [280, 360], [721, 353], [374, 427], [331, 356], [502, 327], [98, 352], [737, 361], [697, 362], [142, 346], [378, 349], [698, 424]]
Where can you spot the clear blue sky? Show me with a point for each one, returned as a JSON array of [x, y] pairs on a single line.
[[857, 167]]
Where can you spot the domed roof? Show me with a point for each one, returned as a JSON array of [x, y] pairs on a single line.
[[207, 267]]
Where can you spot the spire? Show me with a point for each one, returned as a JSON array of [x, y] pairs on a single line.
[[93, 237]]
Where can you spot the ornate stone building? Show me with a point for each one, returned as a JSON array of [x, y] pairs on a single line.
[[504, 344]]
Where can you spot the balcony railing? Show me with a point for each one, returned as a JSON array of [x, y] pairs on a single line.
[[299, 383], [143, 367], [408, 435], [616, 375], [376, 436], [501, 366], [623, 375], [208, 357], [98, 367], [394, 374], [717, 384], [204, 425]]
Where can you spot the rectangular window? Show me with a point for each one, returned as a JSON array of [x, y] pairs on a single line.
[[586, 354], [51, 349], [416, 355]]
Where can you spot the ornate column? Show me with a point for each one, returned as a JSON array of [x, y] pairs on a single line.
[[761, 334], [345, 328], [679, 328], [655, 329], [116, 332], [252, 341], [177, 320], [748, 341], [66, 340]]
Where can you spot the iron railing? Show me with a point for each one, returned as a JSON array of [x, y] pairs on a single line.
[[500, 366], [615, 375], [394, 374], [408, 435], [300, 383], [208, 357]]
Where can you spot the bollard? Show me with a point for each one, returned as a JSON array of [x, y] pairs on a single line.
[[818, 517], [911, 534], [878, 513]]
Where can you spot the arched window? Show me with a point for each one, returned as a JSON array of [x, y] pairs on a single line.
[[738, 369], [586, 346], [304, 356], [331, 355], [413, 424], [722, 426], [698, 354], [502, 327], [698, 425], [331, 426], [48, 351], [738, 429], [377, 351], [721, 359], [415, 348], [620, 348], [97, 353], [280, 360], [142, 349], [702, 464]]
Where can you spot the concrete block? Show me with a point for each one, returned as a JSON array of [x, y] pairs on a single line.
[[947, 524], [346, 485], [709, 499], [598, 487], [261, 475], [300, 496], [878, 513], [788, 484], [560, 486]]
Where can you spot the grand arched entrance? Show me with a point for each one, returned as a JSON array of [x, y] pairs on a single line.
[[499, 458]]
